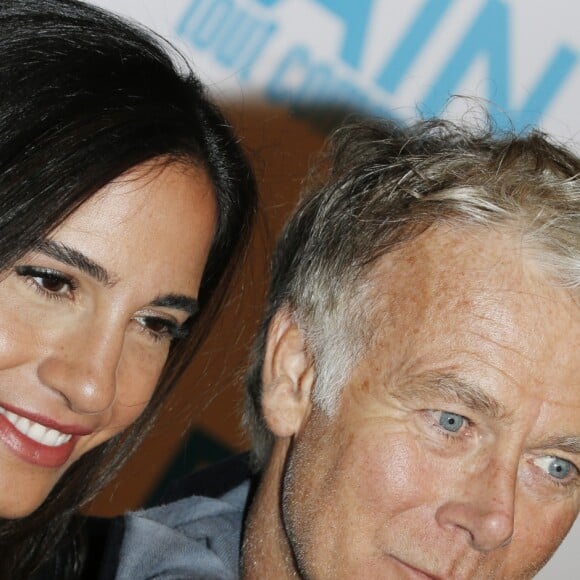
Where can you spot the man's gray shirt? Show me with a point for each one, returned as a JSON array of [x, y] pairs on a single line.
[[193, 538]]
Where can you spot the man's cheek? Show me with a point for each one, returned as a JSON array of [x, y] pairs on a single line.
[[538, 531], [391, 474]]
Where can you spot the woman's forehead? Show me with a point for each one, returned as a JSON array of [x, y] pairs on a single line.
[[160, 222]]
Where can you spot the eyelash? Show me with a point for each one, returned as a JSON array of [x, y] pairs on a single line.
[[171, 331], [32, 272], [565, 484]]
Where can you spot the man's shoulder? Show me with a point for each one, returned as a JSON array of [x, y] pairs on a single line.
[[195, 537], [196, 515], [196, 533]]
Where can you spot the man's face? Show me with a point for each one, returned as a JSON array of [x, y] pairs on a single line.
[[455, 448]]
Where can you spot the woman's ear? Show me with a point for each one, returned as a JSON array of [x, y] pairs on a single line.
[[287, 377]]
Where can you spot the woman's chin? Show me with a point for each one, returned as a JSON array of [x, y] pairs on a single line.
[[20, 507], [22, 495]]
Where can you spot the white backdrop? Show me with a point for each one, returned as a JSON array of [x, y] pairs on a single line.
[[383, 56], [388, 57]]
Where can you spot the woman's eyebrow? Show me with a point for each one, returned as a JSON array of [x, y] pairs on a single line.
[[179, 302], [76, 259]]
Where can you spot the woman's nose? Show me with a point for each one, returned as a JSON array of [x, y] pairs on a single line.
[[485, 511], [83, 367]]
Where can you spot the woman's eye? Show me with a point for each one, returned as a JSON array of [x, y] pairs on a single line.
[[48, 282], [158, 328], [52, 283], [451, 421], [556, 467], [156, 325]]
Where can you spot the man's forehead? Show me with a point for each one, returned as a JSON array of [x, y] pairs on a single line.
[[447, 265], [473, 298]]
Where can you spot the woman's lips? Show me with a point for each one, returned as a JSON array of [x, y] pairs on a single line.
[[44, 443]]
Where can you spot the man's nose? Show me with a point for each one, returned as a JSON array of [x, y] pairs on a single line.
[[83, 366], [485, 512]]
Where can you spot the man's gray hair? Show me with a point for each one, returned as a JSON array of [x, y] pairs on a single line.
[[380, 185]]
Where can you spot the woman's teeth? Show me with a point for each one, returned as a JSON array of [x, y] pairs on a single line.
[[36, 431]]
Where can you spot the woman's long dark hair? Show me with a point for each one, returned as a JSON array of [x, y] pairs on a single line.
[[84, 97]]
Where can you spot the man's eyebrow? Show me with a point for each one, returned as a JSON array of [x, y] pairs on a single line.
[[179, 302], [76, 259], [567, 443], [449, 387]]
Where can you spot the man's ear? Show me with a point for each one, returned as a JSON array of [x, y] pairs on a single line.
[[287, 377]]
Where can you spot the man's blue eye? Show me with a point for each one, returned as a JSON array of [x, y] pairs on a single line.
[[559, 468], [556, 467], [451, 421]]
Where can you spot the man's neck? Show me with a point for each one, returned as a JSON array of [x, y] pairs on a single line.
[[265, 549]]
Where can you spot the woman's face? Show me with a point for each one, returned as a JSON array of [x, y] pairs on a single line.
[[86, 322]]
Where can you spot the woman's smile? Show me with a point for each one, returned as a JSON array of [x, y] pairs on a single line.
[[39, 440]]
